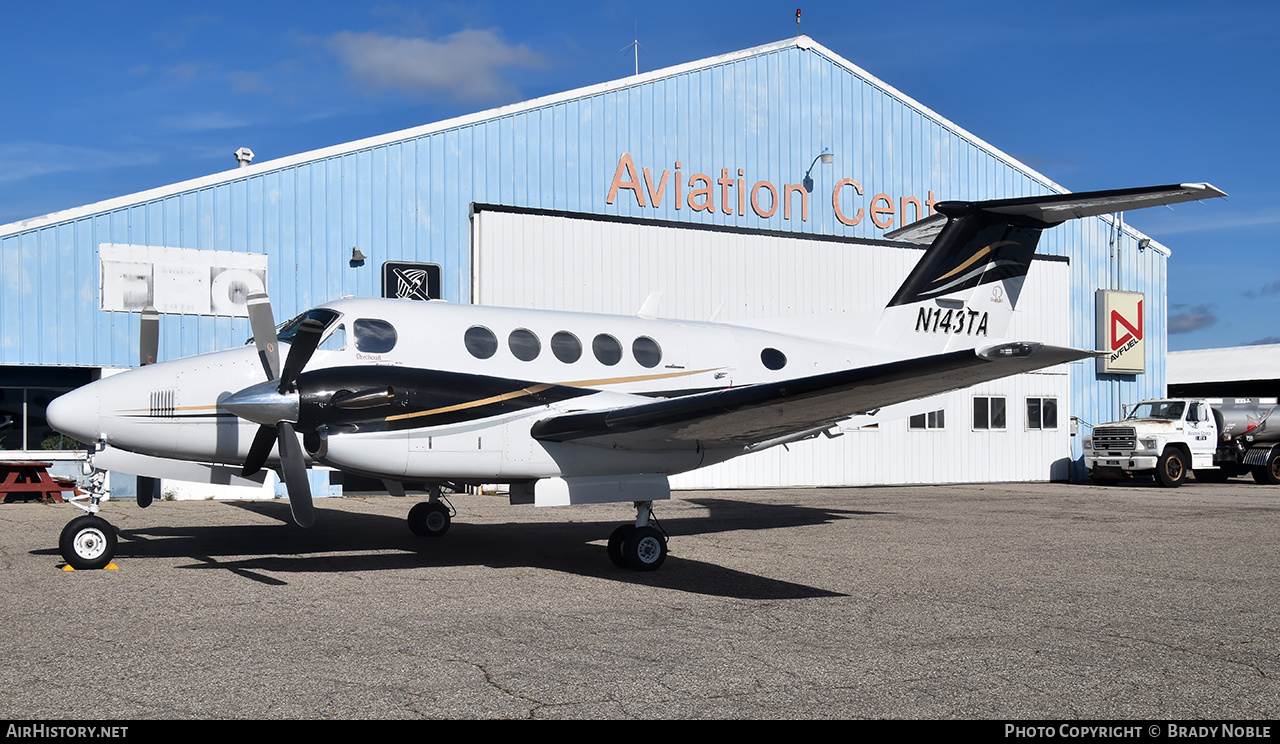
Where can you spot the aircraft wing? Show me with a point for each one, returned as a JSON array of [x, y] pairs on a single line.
[[779, 411]]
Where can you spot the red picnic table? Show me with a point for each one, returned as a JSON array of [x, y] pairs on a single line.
[[22, 481]]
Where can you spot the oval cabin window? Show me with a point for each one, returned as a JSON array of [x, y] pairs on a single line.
[[566, 347], [524, 344], [480, 342], [773, 359], [646, 351], [607, 349]]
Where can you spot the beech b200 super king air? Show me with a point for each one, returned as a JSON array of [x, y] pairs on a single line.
[[578, 407]]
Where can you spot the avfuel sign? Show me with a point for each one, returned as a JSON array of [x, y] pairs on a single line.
[[733, 192], [1121, 333]]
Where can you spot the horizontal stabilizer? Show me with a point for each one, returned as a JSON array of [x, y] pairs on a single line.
[[1047, 211], [744, 416]]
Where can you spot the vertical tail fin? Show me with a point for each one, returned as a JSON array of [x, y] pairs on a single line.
[[964, 290]]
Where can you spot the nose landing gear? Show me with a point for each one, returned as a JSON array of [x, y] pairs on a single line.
[[89, 541]]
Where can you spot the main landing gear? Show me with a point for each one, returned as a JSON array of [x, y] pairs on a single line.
[[431, 518], [639, 546]]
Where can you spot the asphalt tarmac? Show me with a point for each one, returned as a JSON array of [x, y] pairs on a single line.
[[1008, 601]]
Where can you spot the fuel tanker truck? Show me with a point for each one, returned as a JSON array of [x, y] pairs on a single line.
[[1214, 438]]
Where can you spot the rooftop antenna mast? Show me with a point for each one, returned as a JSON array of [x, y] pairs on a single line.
[[637, 46], [797, 21]]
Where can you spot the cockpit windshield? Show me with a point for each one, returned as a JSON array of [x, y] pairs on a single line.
[[326, 317], [1169, 410], [287, 331]]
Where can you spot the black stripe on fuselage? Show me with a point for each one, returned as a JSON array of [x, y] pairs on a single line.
[[418, 398]]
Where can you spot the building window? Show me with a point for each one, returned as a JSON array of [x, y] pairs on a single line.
[[988, 414], [931, 420], [1042, 413]]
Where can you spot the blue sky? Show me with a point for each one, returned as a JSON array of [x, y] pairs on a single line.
[[109, 99]]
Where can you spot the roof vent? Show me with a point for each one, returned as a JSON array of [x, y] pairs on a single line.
[[244, 156]]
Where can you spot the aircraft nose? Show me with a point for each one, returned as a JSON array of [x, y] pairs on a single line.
[[76, 413]]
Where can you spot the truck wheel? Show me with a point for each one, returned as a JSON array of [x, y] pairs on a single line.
[[1171, 469], [1269, 474]]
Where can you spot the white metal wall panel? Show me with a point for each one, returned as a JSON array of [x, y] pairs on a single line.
[[565, 263]]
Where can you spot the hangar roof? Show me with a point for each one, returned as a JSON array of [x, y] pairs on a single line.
[[799, 42], [1225, 365]]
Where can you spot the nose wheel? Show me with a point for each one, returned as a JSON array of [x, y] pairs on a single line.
[[88, 542]]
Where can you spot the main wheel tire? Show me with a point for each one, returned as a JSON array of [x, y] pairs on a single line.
[[88, 542], [1269, 474], [1171, 469], [616, 541], [645, 549], [429, 519]]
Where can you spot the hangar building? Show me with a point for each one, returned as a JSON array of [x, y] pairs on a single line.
[[688, 181]]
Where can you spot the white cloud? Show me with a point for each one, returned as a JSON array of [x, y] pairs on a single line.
[[465, 66], [23, 160], [1167, 222], [1192, 319]]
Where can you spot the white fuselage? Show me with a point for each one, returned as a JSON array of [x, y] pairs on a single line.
[[171, 409]]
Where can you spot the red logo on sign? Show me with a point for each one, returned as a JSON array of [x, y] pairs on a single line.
[[1133, 333]]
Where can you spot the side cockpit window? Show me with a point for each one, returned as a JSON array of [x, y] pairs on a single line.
[[373, 336], [337, 341]]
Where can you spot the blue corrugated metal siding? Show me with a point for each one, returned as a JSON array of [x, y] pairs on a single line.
[[768, 114]]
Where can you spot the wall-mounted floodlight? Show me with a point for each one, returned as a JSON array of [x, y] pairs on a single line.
[[1144, 244], [357, 257], [826, 156]]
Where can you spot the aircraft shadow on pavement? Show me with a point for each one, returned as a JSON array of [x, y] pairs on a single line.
[[342, 541]]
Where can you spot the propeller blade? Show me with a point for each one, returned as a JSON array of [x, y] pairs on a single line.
[[148, 490], [295, 475], [304, 343], [263, 441], [148, 336], [263, 324]]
